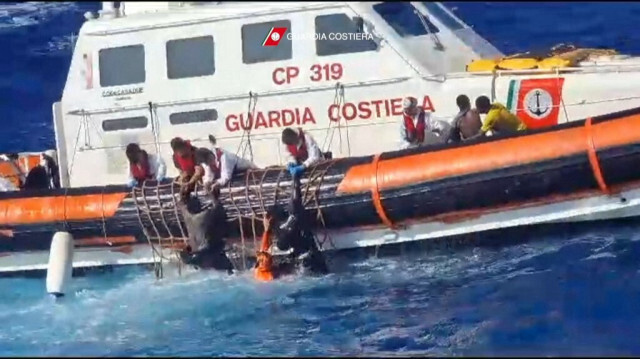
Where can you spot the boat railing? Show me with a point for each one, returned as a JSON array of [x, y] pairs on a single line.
[[219, 16], [241, 96], [600, 68], [368, 124]]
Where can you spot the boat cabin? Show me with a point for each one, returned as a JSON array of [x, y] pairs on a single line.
[[146, 72]]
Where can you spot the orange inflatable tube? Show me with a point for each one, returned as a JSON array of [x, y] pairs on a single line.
[[430, 166]]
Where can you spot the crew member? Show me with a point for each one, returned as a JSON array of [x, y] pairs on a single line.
[[467, 122], [49, 163], [418, 128], [292, 233], [219, 165], [143, 166], [498, 120], [184, 160], [301, 149]]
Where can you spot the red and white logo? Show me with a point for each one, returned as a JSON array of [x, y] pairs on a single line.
[[274, 36]]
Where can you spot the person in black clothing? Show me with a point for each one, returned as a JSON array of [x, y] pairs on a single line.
[[207, 228], [43, 176], [293, 232]]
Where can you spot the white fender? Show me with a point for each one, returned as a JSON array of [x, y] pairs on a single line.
[[60, 266]]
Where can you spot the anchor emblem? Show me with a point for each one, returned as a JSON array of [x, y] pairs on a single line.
[[538, 111], [538, 103]]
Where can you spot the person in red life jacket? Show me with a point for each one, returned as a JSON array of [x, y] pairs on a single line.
[[301, 150], [219, 165], [184, 161], [419, 128], [143, 166]]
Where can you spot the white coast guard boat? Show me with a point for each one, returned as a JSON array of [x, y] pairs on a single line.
[[149, 71]]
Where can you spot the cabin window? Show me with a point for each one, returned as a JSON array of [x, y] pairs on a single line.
[[401, 17], [254, 35], [190, 57], [121, 65], [181, 118], [439, 13], [121, 124], [338, 34]]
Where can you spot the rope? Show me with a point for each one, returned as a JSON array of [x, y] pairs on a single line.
[[75, 146], [104, 220], [251, 108], [338, 102], [320, 215], [593, 158], [566, 114], [375, 194], [154, 127]]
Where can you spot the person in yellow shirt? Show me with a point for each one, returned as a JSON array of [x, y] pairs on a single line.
[[498, 120]]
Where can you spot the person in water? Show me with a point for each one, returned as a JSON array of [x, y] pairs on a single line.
[[143, 166], [466, 123], [292, 233], [498, 120], [207, 229]]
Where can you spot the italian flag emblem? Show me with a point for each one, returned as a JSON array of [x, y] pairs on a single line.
[[536, 101]]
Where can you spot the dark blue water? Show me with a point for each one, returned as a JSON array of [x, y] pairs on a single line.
[[560, 294]]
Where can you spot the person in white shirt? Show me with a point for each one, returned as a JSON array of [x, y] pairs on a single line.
[[301, 150], [219, 165], [419, 128], [143, 166]]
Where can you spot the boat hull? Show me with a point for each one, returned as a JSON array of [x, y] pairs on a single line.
[[579, 171]]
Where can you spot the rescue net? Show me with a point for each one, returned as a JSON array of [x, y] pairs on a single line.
[[246, 200], [161, 222]]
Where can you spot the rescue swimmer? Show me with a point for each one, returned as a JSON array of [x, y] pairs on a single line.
[[419, 128], [498, 120], [143, 166]]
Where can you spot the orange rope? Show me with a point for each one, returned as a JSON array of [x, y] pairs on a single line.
[[375, 194], [593, 157]]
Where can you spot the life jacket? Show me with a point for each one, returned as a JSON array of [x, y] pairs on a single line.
[[141, 171], [300, 154], [264, 265], [188, 164], [415, 132]]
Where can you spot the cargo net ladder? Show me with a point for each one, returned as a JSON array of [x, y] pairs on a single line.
[[251, 202], [161, 222]]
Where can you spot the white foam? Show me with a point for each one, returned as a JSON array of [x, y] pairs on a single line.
[[31, 13]]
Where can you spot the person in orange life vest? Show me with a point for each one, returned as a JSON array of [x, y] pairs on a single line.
[[301, 150], [143, 166], [219, 165], [184, 161], [418, 128], [264, 270]]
